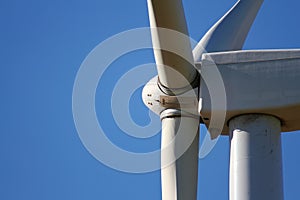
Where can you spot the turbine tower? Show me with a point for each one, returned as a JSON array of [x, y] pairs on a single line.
[[257, 99]]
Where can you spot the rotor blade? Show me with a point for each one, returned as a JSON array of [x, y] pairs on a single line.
[[179, 178], [230, 32], [172, 48]]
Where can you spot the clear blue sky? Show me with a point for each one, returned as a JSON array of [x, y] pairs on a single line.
[[43, 44]]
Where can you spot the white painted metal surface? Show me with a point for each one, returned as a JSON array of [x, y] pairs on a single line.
[[262, 82], [179, 179], [255, 158], [152, 98], [266, 82]]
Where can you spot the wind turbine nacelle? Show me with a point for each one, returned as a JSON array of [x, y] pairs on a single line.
[[256, 81]]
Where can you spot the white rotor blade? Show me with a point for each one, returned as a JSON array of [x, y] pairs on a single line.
[[230, 32], [171, 43], [179, 178], [176, 72]]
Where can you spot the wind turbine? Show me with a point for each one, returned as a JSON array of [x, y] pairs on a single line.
[[262, 99]]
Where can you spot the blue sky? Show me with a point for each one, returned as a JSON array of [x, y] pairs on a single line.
[[43, 44]]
